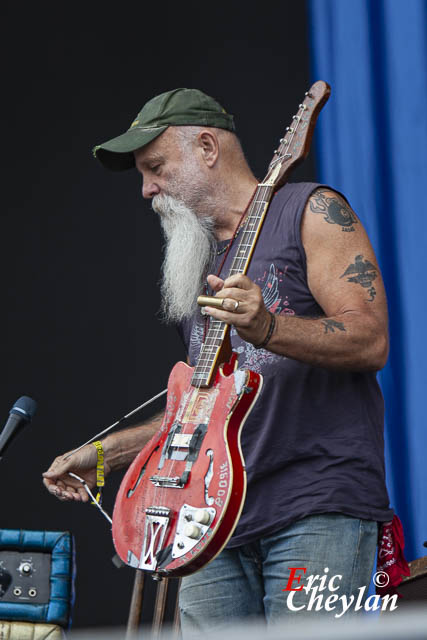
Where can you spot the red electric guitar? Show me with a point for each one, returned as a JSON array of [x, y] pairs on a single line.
[[181, 498]]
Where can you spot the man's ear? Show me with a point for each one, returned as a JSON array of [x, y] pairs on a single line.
[[209, 147]]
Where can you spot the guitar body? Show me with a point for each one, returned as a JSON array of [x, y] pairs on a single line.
[[180, 500]]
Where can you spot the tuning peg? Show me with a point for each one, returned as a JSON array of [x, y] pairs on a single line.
[[308, 95]]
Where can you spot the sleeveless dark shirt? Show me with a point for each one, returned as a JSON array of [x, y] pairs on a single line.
[[313, 442]]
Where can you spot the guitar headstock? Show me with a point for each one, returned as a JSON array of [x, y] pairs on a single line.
[[295, 144]]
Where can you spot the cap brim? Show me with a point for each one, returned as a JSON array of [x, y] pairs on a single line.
[[117, 154]]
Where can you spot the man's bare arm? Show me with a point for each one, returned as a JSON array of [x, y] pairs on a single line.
[[120, 449], [343, 277]]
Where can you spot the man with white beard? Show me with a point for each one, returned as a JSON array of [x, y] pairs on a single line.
[[310, 316], [189, 252]]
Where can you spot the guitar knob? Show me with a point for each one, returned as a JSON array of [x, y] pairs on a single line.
[[202, 516], [192, 531]]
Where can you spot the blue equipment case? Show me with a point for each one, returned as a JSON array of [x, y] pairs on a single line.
[[37, 571]]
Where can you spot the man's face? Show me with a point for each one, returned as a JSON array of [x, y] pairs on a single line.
[[168, 169]]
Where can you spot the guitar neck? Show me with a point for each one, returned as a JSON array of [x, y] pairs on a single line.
[[293, 148], [251, 230]]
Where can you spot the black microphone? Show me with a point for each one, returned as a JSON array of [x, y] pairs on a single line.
[[19, 416]]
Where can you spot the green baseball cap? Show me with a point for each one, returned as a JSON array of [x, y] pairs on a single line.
[[176, 107]]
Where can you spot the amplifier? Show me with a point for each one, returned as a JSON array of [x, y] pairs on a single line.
[[37, 571]]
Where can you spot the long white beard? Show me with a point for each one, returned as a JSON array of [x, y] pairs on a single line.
[[189, 252]]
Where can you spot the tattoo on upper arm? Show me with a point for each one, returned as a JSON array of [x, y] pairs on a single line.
[[364, 273], [330, 325], [334, 209]]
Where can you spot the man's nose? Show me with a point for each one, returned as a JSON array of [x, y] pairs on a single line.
[[149, 189]]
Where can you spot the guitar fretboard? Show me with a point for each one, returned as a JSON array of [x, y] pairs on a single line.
[[217, 329]]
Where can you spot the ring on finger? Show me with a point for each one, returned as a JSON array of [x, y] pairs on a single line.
[[236, 305]]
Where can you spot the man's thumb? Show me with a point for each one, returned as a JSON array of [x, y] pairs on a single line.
[[58, 471]]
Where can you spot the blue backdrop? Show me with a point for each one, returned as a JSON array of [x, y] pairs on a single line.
[[372, 145]]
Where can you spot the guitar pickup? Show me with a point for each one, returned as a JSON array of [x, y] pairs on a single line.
[[181, 440]]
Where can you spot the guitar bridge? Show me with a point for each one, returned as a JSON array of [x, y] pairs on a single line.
[[156, 524]]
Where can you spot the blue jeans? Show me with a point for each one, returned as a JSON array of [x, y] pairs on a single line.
[[250, 581]]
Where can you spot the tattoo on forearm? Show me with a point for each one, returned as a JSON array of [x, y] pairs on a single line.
[[364, 273], [334, 209], [330, 325]]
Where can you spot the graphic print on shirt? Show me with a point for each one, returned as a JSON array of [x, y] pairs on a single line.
[[249, 357], [257, 359]]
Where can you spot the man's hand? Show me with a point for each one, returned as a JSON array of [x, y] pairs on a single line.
[[120, 449], [83, 463], [250, 317]]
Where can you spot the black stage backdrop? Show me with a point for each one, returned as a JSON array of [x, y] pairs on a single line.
[[81, 250]]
